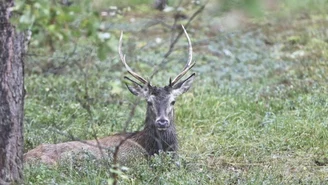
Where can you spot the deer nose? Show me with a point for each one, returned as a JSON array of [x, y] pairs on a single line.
[[162, 123]]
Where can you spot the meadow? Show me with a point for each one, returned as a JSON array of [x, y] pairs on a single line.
[[256, 114]]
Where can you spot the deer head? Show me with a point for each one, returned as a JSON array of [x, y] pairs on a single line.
[[160, 100]]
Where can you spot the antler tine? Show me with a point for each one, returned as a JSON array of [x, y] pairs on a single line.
[[189, 64], [135, 75]]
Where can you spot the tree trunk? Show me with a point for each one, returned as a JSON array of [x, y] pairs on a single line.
[[11, 98]]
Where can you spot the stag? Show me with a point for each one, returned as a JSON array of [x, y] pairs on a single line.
[[159, 133]]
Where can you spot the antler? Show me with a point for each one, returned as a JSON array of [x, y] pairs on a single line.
[[189, 64], [135, 75]]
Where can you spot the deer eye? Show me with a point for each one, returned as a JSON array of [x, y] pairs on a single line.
[[173, 102]]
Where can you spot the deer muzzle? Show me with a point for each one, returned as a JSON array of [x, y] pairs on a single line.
[[162, 124]]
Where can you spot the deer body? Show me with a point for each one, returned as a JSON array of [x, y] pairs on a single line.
[[159, 133], [52, 153]]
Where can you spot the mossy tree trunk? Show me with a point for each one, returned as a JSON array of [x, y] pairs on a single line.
[[11, 98]]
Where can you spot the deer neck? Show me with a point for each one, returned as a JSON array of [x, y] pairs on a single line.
[[154, 140]]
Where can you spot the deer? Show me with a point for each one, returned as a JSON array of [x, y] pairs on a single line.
[[159, 132]]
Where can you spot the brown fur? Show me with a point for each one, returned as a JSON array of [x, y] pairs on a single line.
[[52, 153]]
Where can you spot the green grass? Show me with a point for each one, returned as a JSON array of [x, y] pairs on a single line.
[[257, 117]]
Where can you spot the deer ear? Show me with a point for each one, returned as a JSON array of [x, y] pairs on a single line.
[[137, 89], [183, 86]]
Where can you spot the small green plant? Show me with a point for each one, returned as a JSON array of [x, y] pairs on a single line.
[[53, 23]]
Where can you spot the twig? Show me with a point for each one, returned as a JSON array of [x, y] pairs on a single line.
[[115, 157], [115, 154], [181, 31], [131, 114], [84, 102], [175, 22], [170, 50], [73, 138]]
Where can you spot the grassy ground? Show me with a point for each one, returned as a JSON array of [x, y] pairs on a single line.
[[257, 113]]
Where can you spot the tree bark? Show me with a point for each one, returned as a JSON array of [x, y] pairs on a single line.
[[11, 98]]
